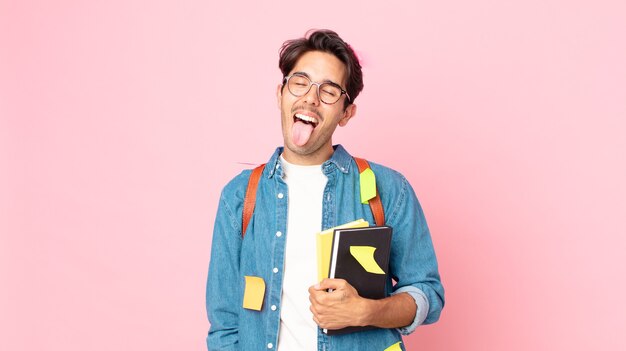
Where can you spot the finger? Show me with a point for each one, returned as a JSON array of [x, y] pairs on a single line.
[[317, 297], [329, 283], [316, 311], [334, 296], [316, 320], [313, 299]]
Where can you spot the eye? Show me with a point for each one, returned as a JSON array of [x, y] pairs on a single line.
[[299, 81], [330, 91]]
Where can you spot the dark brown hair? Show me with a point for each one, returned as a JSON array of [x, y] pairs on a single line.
[[326, 41]]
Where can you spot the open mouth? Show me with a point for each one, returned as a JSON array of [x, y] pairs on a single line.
[[303, 127], [299, 117]]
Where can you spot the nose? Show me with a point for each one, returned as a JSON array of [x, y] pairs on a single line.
[[312, 96]]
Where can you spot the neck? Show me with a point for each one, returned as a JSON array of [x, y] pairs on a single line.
[[317, 158]]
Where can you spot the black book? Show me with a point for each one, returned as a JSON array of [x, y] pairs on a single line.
[[361, 257]]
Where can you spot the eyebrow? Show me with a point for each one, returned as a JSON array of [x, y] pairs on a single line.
[[324, 81]]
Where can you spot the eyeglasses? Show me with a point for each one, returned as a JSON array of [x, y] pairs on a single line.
[[328, 92]]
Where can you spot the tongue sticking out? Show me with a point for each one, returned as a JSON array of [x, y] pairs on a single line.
[[301, 132]]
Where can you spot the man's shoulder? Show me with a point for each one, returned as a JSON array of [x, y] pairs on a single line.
[[392, 185], [386, 175], [390, 175], [236, 187], [396, 193], [239, 183]]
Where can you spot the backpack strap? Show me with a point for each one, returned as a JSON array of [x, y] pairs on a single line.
[[253, 183], [250, 199], [375, 204]]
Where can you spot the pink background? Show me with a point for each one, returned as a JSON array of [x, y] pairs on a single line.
[[120, 121]]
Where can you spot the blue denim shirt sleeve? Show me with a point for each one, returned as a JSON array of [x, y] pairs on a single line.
[[413, 262], [422, 308], [222, 311]]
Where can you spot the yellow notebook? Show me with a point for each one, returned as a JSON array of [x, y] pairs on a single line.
[[324, 240]]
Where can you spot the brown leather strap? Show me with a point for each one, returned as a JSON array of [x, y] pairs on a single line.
[[375, 204], [250, 199]]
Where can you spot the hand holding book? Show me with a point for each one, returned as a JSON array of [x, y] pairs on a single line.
[[359, 256], [342, 307]]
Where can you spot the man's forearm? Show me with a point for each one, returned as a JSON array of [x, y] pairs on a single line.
[[392, 312], [343, 307]]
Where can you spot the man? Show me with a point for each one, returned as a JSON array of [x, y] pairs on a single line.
[[306, 186]]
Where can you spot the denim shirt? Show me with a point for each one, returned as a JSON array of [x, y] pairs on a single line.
[[261, 253]]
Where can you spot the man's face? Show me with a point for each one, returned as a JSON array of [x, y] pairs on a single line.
[[308, 123]]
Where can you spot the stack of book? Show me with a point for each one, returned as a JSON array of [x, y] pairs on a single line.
[[359, 254]]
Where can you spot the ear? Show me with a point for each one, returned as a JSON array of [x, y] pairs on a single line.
[[279, 95], [347, 115]]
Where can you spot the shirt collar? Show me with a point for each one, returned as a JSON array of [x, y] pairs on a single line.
[[340, 160]]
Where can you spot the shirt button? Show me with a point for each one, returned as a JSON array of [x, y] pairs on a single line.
[[280, 195], [270, 345], [273, 307], [275, 270], [278, 233]]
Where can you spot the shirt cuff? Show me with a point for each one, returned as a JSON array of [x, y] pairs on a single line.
[[422, 308]]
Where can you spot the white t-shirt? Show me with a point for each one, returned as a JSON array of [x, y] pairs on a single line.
[[306, 186]]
